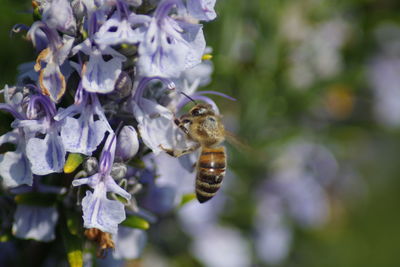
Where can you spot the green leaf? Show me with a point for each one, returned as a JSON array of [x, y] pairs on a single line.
[[121, 199], [136, 222], [73, 162], [73, 247], [5, 237], [187, 198], [36, 199], [73, 223]]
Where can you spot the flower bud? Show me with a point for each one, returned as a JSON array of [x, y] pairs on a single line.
[[127, 143], [90, 165], [123, 87], [118, 170]]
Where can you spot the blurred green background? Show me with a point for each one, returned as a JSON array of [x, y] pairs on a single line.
[[299, 69]]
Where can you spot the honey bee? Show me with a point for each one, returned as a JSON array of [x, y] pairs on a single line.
[[203, 126]]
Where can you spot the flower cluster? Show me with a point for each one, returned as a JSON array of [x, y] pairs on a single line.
[[92, 113]]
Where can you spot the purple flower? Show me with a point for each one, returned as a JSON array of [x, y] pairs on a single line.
[[83, 134], [273, 234], [118, 29], [51, 79], [45, 152], [129, 243], [34, 222], [169, 46], [155, 122], [127, 143], [222, 246], [99, 75], [98, 211], [15, 169], [57, 14], [201, 9]]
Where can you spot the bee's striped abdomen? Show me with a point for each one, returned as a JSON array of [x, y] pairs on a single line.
[[210, 173]]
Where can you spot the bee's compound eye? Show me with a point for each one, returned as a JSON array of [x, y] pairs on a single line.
[[198, 111]]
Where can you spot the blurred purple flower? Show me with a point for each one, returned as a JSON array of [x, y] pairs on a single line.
[[222, 246], [34, 222], [273, 234], [129, 243]]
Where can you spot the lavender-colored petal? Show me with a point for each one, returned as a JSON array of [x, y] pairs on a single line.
[[107, 155], [156, 126], [100, 76], [32, 222], [15, 169], [307, 202], [194, 36], [222, 246], [31, 127], [273, 234], [82, 135], [69, 111], [58, 14], [85, 47], [117, 31], [127, 143], [100, 212], [9, 137], [194, 215], [202, 9], [201, 72], [160, 199], [52, 81], [174, 172], [91, 181], [63, 51], [111, 186], [129, 243], [162, 53], [26, 73], [46, 155], [273, 242]]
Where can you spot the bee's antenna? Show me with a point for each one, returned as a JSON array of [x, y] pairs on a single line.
[[191, 99]]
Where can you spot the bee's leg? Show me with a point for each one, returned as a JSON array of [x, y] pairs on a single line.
[[182, 122], [178, 153]]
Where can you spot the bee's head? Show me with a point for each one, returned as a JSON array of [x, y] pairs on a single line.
[[202, 110]]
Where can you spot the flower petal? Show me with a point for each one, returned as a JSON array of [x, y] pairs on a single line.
[[46, 155], [32, 222], [52, 81], [202, 9], [116, 31], [129, 243], [15, 169], [82, 135], [100, 76], [102, 213], [162, 53], [127, 143]]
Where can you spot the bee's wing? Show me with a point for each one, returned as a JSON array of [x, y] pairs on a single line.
[[237, 142]]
